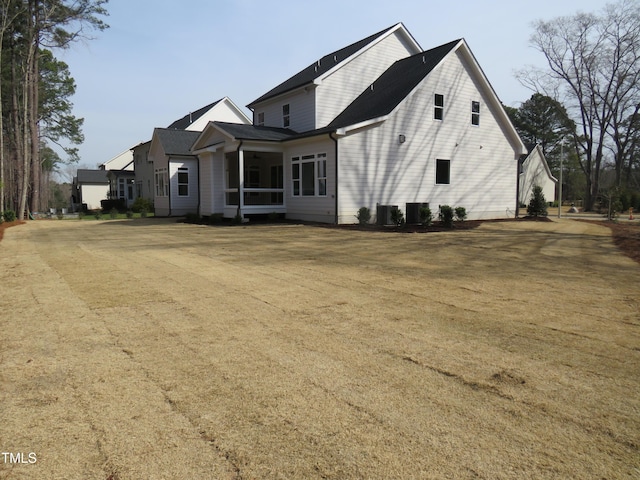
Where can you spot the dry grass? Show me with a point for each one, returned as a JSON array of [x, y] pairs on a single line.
[[151, 349]]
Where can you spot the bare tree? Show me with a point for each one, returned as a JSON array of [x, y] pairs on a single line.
[[593, 70]]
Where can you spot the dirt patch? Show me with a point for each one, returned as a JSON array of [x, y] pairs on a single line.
[[5, 225], [155, 349]]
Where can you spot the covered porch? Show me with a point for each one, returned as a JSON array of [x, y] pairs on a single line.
[[254, 182]]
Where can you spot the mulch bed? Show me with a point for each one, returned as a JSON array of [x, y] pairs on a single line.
[[5, 225]]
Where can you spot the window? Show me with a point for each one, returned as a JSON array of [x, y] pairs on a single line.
[[322, 174], [260, 119], [121, 188], [285, 116], [162, 182], [475, 113], [438, 106], [309, 175], [183, 182], [443, 172]]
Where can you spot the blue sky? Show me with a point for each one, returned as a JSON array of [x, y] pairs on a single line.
[[161, 59]]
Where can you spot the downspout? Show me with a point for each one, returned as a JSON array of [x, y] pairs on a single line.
[[169, 183], [199, 198], [335, 141], [519, 161], [238, 152]]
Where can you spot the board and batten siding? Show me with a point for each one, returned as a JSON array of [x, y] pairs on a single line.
[[181, 205], [374, 167], [343, 86], [311, 208]]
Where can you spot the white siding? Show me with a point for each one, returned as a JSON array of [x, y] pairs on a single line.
[[206, 184], [376, 168], [221, 112], [311, 208], [535, 173], [301, 110], [92, 194], [342, 87], [181, 205]]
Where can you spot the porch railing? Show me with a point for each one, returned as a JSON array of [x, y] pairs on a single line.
[[256, 196]]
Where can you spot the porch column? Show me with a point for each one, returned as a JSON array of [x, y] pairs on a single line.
[[240, 180]]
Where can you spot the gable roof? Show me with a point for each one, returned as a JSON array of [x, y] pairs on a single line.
[[176, 142], [188, 119], [393, 86], [253, 132], [326, 64], [92, 176]]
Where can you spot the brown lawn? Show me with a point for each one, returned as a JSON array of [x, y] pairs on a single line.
[[154, 349]]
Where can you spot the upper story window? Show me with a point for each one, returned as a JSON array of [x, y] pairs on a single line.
[[438, 106], [285, 115], [260, 119], [475, 113]]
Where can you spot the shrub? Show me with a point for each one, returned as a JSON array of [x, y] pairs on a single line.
[[363, 216], [97, 214], [426, 217], [461, 214], [143, 213], [113, 213], [237, 219], [60, 216], [80, 215], [273, 216], [129, 214], [397, 217], [446, 215], [142, 204], [9, 216], [537, 205]]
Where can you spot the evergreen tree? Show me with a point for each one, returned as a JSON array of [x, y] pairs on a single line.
[[537, 205]]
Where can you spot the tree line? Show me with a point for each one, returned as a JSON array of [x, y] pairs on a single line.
[[35, 94], [587, 100]]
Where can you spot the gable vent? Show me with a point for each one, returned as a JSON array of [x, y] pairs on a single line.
[[371, 87], [335, 59]]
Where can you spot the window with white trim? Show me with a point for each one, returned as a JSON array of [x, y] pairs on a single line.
[[309, 175], [438, 106], [475, 113], [260, 119], [183, 181], [162, 182]]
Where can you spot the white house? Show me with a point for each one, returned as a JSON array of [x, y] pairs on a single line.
[[89, 188], [535, 171], [165, 166], [377, 122]]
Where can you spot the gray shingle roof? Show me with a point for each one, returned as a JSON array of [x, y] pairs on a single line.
[[92, 176], [319, 68], [176, 142], [251, 132], [191, 117], [392, 87]]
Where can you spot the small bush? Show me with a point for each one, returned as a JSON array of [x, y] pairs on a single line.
[[143, 213], [397, 217], [80, 215], [537, 205], [461, 214], [129, 214], [142, 204], [97, 214], [9, 216], [363, 216], [237, 219], [426, 217], [446, 215], [113, 213], [60, 216], [273, 216]]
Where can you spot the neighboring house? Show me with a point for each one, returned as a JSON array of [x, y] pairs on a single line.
[[535, 171], [175, 171], [159, 166], [122, 161], [377, 122], [89, 187]]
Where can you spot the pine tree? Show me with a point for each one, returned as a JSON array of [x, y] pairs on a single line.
[[537, 205]]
